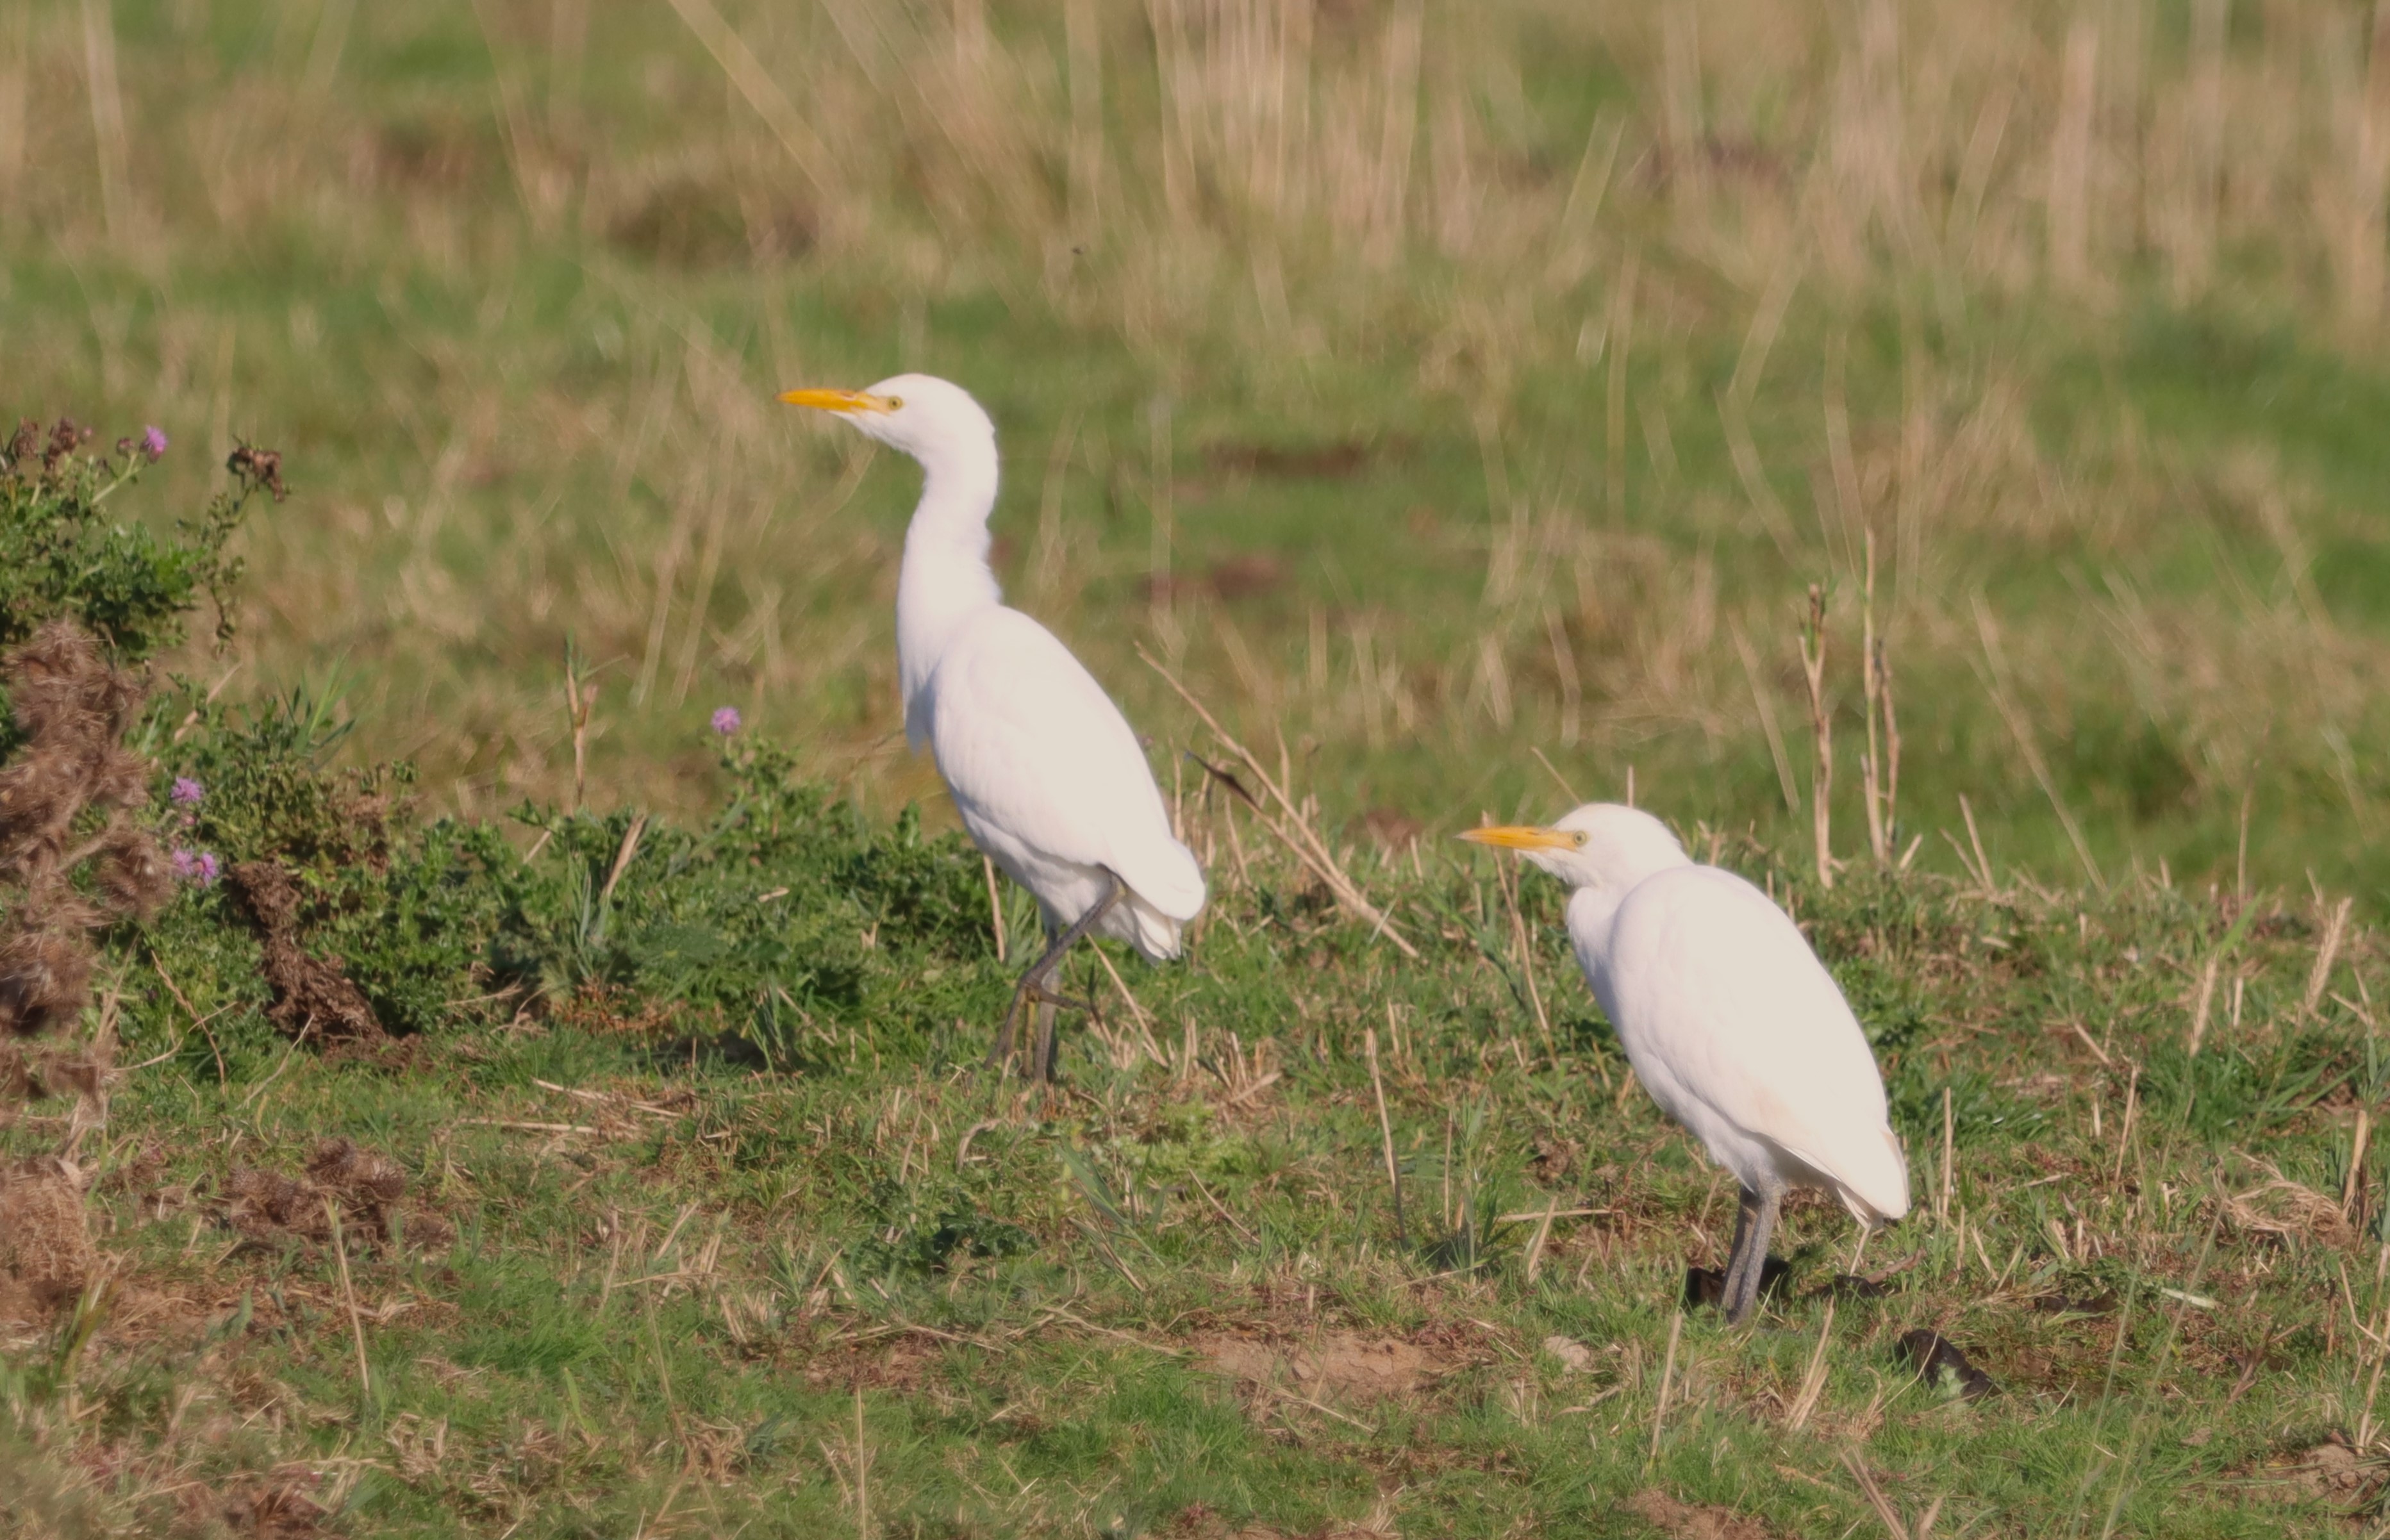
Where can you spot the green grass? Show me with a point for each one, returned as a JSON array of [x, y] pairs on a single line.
[[1474, 437], [682, 1266]]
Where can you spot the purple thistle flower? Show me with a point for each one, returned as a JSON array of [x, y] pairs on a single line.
[[153, 441], [197, 866], [726, 720], [186, 792]]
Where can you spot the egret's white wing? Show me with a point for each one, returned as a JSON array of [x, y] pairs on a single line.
[[1715, 982], [1029, 743]]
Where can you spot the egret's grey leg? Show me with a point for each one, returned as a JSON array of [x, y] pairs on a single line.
[[1763, 1227], [1036, 987], [1042, 1050], [1738, 1253], [1023, 992]]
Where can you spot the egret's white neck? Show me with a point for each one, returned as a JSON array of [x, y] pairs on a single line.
[[945, 578], [1592, 907], [1591, 910]]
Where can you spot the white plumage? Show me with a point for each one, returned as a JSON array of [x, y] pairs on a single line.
[[1732, 1024], [1047, 774]]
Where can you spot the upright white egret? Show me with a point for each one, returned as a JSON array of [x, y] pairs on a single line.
[[1048, 778], [1732, 1024]]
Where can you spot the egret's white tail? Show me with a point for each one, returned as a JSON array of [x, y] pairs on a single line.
[[1876, 1193], [1152, 932]]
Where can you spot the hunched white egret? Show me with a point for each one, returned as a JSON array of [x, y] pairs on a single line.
[[1732, 1024], [1046, 775]]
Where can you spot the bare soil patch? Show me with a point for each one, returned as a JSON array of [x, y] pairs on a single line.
[[1342, 1364], [1695, 1521], [1199, 1522]]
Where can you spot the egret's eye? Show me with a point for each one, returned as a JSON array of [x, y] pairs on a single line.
[[1581, 838], [895, 404]]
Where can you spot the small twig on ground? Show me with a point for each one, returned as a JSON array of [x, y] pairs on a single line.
[[197, 1020], [1667, 1373], [2124, 1131], [862, 1472], [1222, 1210], [629, 847], [2335, 931], [1297, 834], [2199, 1010], [1942, 1201], [1874, 1494], [2354, 1188], [1144, 1022], [1813, 1382], [1386, 1131], [1975, 840], [1543, 1233], [995, 910], [349, 1296]]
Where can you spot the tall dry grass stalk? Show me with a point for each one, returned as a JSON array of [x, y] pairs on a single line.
[[1276, 182], [16, 66], [106, 116], [2369, 177], [1821, 736], [1879, 768]]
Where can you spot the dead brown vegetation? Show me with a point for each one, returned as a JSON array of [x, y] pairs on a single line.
[[67, 799], [313, 996], [68, 804], [366, 1188], [1695, 1521], [46, 1252]]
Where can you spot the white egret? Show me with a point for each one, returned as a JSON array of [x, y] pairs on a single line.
[[1048, 778], [1732, 1024]]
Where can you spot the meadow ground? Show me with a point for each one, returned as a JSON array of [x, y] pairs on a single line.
[[1429, 388]]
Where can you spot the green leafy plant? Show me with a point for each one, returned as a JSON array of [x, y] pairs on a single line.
[[62, 556]]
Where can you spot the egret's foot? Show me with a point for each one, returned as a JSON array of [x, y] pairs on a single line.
[[1039, 1001], [1035, 990]]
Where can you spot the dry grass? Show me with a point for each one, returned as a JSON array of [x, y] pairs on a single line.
[[1351, 223]]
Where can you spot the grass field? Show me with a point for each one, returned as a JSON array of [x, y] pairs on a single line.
[[1429, 388]]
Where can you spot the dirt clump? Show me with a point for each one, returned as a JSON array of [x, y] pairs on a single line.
[[1337, 1363], [368, 1189], [47, 1257], [1941, 1363], [67, 802], [313, 996], [1707, 1285], [275, 1506], [2331, 1470], [1695, 1521], [904, 1364], [2283, 1210]]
